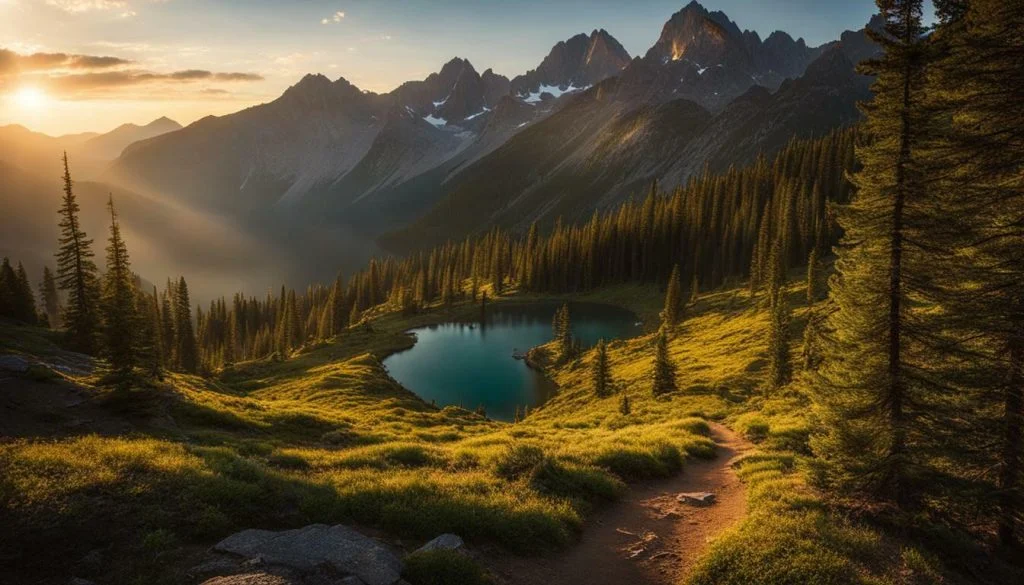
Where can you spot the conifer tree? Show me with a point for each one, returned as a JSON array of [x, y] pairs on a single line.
[[979, 87], [811, 352], [76, 274], [167, 325], [601, 373], [50, 298], [779, 364], [483, 308], [186, 351], [663, 379], [118, 303], [563, 334], [150, 350], [625, 407], [865, 396], [24, 299], [8, 290], [671, 314], [813, 278]]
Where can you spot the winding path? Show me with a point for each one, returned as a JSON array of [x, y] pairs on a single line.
[[647, 538]]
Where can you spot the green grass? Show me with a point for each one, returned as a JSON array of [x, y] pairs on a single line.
[[326, 436]]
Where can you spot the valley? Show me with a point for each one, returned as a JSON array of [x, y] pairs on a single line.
[[690, 305]]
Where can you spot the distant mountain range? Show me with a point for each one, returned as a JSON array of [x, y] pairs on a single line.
[[461, 151], [40, 153]]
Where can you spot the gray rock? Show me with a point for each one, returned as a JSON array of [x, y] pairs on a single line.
[[80, 581], [697, 498], [13, 363], [443, 542], [312, 547]]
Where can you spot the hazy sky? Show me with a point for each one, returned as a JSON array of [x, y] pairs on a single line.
[[189, 58]]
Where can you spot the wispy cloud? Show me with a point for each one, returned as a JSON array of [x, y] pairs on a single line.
[[11, 62], [334, 18], [84, 76], [79, 6], [83, 6]]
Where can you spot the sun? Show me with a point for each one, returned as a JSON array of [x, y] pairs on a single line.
[[30, 98]]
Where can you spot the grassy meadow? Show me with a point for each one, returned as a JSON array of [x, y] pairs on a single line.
[[326, 436]]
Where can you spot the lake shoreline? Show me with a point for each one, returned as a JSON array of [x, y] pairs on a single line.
[[455, 358]]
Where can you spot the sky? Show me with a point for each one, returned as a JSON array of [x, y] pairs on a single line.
[[69, 66]]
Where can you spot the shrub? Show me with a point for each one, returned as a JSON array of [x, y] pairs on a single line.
[[518, 460], [443, 567], [577, 482]]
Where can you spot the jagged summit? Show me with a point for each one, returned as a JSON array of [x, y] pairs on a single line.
[[575, 63]]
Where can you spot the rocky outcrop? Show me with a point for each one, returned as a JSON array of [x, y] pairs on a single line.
[[317, 554], [579, 62], [313, 551]]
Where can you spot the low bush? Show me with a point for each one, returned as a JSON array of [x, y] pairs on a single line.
[[443, 567]]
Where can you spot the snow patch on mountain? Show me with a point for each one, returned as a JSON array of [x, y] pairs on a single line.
[[555, 91], [478, 114], [435, 122]]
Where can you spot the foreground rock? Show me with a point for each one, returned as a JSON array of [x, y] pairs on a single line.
[[13, 363], [317, 549], [697, 498], [443, 542]]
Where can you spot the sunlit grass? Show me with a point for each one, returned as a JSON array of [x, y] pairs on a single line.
[[326, 436]]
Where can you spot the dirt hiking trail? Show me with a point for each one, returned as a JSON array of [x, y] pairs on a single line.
[[648, 537]]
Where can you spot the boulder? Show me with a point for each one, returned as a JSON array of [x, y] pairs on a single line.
[[443, 542], [697, 498], [13, 363], [312, 548]]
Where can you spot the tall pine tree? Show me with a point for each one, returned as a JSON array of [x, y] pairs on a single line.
[[601, 372], [76, 274], [120, 320], [663, 378], [865, 396], [186, 351]]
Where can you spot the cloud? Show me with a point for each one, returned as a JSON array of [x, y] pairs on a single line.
[[84, 76], [334, 18], [11, 62], [79, 6], [83, 6], [87, 82]]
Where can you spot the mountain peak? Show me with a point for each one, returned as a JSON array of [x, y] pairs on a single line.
[[579, 61], [163, 122], [695, 34]]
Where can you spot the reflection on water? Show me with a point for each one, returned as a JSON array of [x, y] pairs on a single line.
[[471, 364]]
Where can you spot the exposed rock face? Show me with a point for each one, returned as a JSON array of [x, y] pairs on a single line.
[[314, 548], [711, 61], [578, 62], [13, 363], [699, 36]]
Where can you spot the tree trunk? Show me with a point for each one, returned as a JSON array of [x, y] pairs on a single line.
[[1013, 416]]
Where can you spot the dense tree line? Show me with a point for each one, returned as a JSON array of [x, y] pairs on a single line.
[[919, 380]]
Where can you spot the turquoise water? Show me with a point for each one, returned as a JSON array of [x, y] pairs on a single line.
[[469, 365]]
